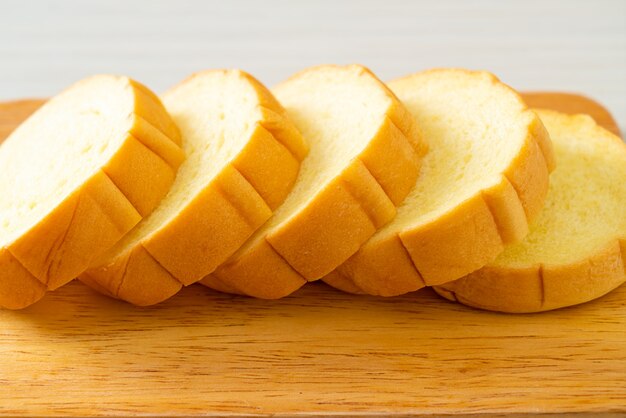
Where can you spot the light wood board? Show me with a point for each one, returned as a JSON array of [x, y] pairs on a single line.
[[318, 352]]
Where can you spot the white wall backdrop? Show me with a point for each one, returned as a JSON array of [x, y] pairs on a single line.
[[570, 45]]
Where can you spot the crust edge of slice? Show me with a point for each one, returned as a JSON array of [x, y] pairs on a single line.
[[477, 228], [62, 244], [241, 197], [274, 268]]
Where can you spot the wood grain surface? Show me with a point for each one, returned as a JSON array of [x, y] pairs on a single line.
[[318, 352]]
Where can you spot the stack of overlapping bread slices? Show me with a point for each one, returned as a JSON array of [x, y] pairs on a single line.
[[443, 178]]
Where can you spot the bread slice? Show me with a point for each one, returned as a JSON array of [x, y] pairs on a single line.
[[576, 249], [485, 177], [364, 159], [243, 156], [76, 176]]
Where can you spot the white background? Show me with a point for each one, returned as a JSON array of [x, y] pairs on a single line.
[[568, 45]]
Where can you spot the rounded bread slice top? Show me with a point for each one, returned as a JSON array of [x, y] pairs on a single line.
[[243, 156], [576, 248], [364, 158], [77, 175], [484, 178]]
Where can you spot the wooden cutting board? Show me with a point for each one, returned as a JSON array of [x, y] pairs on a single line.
[[318, 352]]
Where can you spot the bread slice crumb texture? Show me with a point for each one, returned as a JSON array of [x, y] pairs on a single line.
[[346, 189], [77, 175], [468, 150], [40, 171], [586, 204], [576, 248], [243, 155], [316, 102], [216, 113], [485, 175]]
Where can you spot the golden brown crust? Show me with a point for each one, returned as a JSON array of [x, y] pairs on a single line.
[[468, 236], [276, 120], [271, 277], [342, 282], [149, 107], [507, 210], [455, 243], [87, 223], [130, 169], [218, 285], [278, 123], [193, 243], [96, 215], [393, 161], [269, 167], [529, 173], [383, 267], [149, 279], [541, 288], [218, 220], [338, 219], [459, 242], [330, 227], [19, 288], [159, 143]]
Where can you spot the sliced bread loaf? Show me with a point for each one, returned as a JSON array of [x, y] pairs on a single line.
[[576, 249], [243, 156], [76, 176], [484, 178], [364, 159]]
